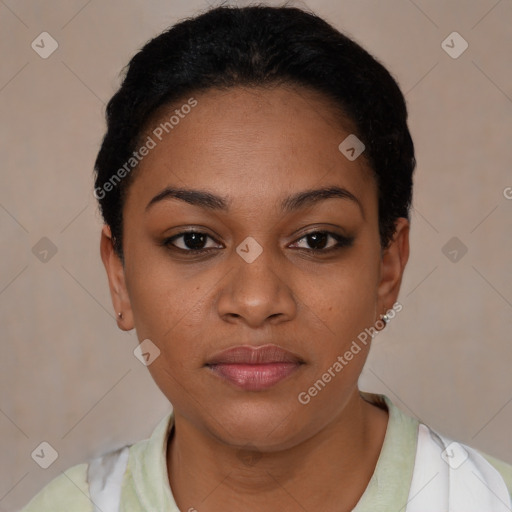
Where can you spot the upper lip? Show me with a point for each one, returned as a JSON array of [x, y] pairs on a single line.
[[248, 354]]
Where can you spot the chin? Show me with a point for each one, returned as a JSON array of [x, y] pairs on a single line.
[[267, 426]]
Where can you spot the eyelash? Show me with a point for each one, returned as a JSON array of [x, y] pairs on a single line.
[[342, 242]]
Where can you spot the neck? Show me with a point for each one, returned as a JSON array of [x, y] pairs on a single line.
[[328, 471]]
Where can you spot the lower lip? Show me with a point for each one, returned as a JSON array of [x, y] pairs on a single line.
[[254, 377]]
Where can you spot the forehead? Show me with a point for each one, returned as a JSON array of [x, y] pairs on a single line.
[[251, 142]]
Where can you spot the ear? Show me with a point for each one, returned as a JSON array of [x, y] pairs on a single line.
[[116, 280], [393, 261]]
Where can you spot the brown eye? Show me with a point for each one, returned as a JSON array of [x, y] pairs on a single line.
[[192, 241], [319, 240]]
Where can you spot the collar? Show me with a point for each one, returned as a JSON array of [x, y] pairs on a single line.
[[388, 487]]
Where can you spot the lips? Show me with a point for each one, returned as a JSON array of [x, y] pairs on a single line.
[[246, 354], [254, 368]]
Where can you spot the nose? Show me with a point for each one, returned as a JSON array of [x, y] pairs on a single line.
[[256, 292]]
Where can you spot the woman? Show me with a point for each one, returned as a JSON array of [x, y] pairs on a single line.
[[255, 181]]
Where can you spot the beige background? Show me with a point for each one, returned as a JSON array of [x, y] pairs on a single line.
[[68, 376]]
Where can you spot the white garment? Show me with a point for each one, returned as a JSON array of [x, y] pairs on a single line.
[[447, 477], [105, 477], [452, 477]]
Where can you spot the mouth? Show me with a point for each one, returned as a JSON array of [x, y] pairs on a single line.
[[254, 368]]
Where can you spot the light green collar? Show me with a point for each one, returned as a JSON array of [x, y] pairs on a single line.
[[389, 485], [388, 488]]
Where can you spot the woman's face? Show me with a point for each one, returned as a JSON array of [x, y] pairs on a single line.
[[258, 281]]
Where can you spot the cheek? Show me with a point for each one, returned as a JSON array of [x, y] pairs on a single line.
[[169, 310], [167, 302], [343, 299], [339, 314]]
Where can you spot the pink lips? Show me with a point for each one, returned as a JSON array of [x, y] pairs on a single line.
[[254, 368]]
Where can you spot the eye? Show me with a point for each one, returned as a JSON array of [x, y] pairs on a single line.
[[192, 241], [319, 241]]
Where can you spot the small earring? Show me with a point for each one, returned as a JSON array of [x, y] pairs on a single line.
[[384, 318], [120, 315]]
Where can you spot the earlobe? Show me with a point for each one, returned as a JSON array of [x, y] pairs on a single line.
[[393, 261], [116, 281]]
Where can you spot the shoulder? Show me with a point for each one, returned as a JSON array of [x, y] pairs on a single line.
[[68, 491], [503, 468], [488, 467]]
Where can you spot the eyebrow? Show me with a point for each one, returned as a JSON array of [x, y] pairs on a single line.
[[207, 200]]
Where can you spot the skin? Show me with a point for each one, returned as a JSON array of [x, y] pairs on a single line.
[[255, 147]]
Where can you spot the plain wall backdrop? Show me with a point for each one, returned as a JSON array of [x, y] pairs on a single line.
[[68, 375]]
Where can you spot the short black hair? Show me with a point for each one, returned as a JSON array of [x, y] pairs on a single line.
[[260, 45]]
